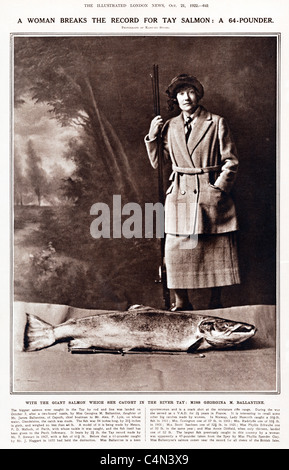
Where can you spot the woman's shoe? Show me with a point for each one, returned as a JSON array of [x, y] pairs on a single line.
[[186, 308]]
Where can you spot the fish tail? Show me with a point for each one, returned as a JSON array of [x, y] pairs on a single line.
[[38, 334]]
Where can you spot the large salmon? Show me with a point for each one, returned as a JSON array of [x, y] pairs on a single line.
[[138, 328]]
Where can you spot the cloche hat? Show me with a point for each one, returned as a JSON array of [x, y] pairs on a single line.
[[184, 80]]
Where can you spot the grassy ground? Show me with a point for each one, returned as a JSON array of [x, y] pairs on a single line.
[[57, 261]]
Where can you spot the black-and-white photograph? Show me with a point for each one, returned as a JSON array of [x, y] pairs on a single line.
[[145, 220]]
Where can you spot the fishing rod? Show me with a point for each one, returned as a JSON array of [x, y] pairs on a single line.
[[162, 268], [124, 353]]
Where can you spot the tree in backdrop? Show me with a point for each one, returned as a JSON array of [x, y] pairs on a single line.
[[66, 73], [36, 176], [30, 180], [20, 183]]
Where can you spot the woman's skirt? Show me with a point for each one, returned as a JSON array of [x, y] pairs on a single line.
[[210, 260]]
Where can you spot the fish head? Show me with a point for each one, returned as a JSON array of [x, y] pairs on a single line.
[[221, 333]]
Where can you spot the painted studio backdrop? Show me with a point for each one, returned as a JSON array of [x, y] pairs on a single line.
[[82, 108]]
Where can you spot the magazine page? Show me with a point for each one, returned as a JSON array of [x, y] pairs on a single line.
[[145, 220]]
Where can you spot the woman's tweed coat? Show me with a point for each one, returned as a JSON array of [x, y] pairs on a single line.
[[201, 202], [198, 202]]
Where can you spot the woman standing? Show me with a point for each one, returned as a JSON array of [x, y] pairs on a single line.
[[200, 215]]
